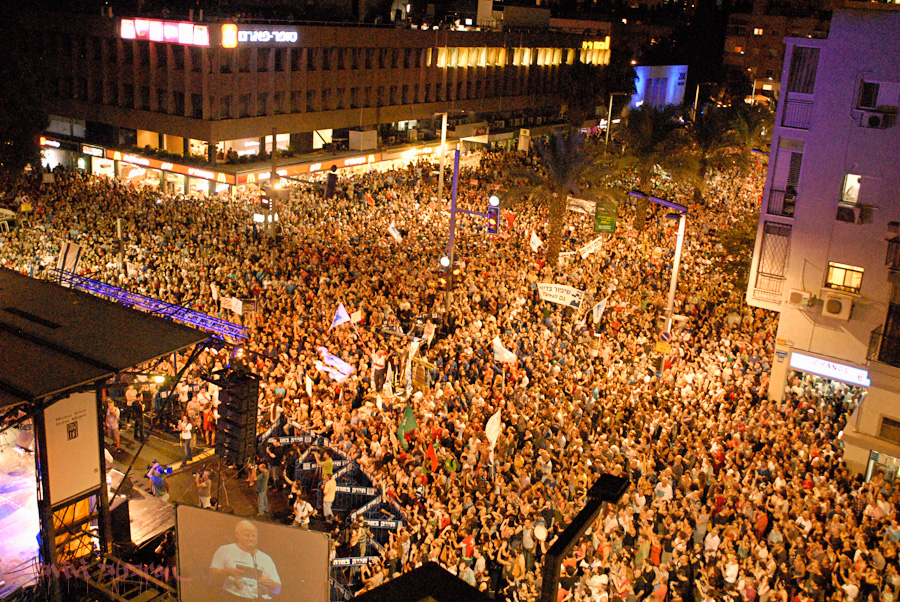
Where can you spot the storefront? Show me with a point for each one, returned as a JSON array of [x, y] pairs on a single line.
[[812, 376], [169, 177], [882, 464]]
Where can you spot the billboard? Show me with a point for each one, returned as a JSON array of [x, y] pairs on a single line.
[[221, 556], [72, 432]]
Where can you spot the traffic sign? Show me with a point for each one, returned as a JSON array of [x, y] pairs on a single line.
[[664, 348], [665, 336]]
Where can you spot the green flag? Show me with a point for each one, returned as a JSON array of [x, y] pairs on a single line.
[[407, 425]]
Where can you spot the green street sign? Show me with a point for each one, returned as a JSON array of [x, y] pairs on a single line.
[[605, 216]]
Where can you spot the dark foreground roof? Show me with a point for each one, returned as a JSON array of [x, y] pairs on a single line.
[[53, 339], [428, 582]]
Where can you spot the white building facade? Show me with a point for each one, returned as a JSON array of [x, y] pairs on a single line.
[[827, 253]]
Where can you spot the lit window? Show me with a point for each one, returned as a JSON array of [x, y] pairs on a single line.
[[739, 49], [844, 277], [757, 31], [850, 189]]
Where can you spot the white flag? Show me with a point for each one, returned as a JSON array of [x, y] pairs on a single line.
[[378, 402], [392, 229], [535, 242], [492, 429], [598, 310], [309, 385], [356, 316], [501, 353]]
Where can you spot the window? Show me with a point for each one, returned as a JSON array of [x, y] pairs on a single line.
[[850, 189], [262, 59], [802, 75], [739, 49], [868, 95], [773, 259], [843, 277], [757, 31]]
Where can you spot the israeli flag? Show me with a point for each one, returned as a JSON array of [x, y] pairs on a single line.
[[392, 229], [340, 316]]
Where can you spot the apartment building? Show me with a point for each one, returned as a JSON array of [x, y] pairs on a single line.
[[827, 254]]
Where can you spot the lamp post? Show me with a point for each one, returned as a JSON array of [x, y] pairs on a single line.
[[443, 152], [670, 304], [697, 98], [609, 113], [680, 213]]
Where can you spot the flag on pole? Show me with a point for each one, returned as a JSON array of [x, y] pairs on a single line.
[[432, 456], [407, 425], [392, 229], [492, 430], [535, 242], [501, 353], [337, 368], [598, 310], [69, 257], [378, 402], [309, 385], [340, 316], [369, 199], [356, 316]]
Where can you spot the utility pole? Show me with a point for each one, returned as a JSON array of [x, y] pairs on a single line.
[[443, 153], [270, 225]]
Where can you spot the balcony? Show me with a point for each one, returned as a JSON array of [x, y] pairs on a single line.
[[797, 114], [883, 349], [768, 288], [892, 261], [781, 202]]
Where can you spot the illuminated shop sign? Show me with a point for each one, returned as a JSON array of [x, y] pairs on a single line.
[[304, 168], [184, 170], [595, 44], [173, 32], [48, 142], [232, 35], [815, 365], [91, 150]]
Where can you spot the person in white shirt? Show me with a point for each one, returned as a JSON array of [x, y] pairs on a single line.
[[244, 571]]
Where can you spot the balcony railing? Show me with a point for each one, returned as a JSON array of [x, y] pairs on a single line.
[[884, 349], [781, 202], [768, 288], [797, 114]]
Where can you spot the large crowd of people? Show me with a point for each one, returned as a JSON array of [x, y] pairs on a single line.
[[733, 496]]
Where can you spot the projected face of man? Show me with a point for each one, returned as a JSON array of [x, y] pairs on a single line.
[[245, 533]]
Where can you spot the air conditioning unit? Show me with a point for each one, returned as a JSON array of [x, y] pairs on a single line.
[[848, 213], [837, 306], [876, 120], [801, 298]]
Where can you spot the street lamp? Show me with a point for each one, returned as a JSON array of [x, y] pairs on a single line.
[[494, 200], [697, 97], [680, 213], [443, 152], [609, 113]]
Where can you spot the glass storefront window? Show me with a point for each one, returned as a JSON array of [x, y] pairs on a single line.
[[884, 464]]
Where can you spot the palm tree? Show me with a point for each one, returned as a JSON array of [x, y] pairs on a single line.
[[655, 139], [564, 167], [712, 135]]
